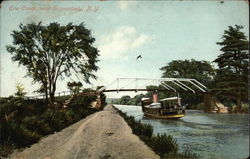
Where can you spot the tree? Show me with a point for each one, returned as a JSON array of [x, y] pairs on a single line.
[[136, 100], [20, 91], [74, 87], [202, 71], [233, 64], [124, 100], [52, 51]]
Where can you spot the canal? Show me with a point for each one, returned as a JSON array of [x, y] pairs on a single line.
[[219, 136]]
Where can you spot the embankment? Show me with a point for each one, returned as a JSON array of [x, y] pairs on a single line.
[[101, 135]]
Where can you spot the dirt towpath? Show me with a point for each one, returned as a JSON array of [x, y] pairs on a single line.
[[103, 135]]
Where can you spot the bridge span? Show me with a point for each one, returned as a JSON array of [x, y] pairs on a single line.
[[155, 84]]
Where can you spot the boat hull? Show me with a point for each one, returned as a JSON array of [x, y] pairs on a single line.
[[170, 116]]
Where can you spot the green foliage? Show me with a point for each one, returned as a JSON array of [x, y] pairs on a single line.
[[20, 134], [202, 71], [197, 106], [136, 100], [20, 91], [35, 120], [81, 100], [74, 87], [49, 52], [233, 62], [164, 144], [61, 99], [244, 108], [127, 100]]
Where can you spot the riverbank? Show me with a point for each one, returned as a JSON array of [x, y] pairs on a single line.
[[163, 144], [101, 135], [223, 136]]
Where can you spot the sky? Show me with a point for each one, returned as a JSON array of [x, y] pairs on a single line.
[[159, 31]]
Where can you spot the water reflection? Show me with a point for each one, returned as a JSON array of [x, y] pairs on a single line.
[[223, 136]]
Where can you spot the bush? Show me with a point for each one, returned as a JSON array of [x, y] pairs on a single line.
[[163, 144], [6, 148], [245, 107], [34, 123], [21, 135], [62, 99], [83, 101]]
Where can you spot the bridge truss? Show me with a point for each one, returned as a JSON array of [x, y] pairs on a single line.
[[155, 84]]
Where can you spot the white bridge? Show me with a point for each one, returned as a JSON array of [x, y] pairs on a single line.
[[155, 84]]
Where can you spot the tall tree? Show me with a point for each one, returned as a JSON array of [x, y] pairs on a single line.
[[52, 51], [202, 71], [233, 62]]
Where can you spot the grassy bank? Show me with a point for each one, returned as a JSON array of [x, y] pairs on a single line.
[[33, 119], [164, 145]]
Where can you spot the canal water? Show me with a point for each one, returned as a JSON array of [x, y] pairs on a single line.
[[211, 136]]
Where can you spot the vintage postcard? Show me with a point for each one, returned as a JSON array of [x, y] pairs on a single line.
[[124, 79]]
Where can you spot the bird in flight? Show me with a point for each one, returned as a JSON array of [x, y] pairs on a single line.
[[138, 57]]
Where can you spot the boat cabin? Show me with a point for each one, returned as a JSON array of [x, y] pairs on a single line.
[[171, 103], [165, 108]]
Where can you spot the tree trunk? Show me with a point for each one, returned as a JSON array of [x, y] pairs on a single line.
[[51, 99], [46, 95], [52, 94], [239, 104]]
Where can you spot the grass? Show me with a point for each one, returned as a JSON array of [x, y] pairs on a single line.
[[34, 119], [164, 145]]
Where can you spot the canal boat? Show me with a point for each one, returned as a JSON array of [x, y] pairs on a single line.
[[167, 108]]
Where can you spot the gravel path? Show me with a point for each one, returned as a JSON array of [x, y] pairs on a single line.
[[103, 135]]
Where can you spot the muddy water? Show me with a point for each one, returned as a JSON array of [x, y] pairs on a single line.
[[222, 136]]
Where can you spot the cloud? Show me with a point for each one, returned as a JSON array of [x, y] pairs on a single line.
[[121, 41], [123, 5]]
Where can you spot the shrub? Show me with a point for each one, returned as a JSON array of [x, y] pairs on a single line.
[[55, 118], [6, 148], [21, 135], [35, 123], [82, 101], [245, 107], [164, 144], [61, 99]]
